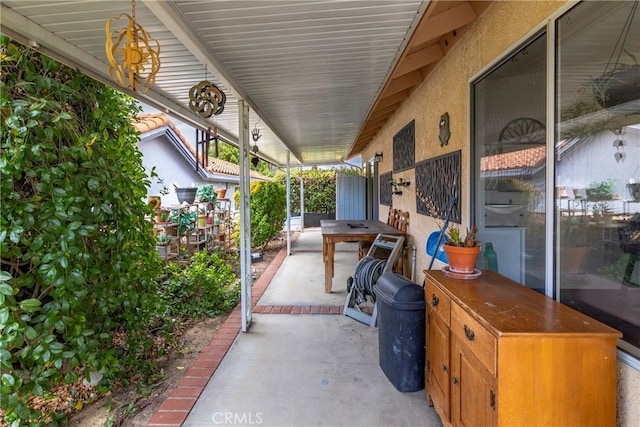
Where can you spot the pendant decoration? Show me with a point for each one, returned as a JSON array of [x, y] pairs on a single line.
[[206, 99], [133, 55]]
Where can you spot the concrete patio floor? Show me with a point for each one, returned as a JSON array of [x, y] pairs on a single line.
[[302, 363]]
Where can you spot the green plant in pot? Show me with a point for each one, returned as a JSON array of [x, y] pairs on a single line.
[[600, 190], [185, 220], [619, 85], [162, 241], [462, 253], [202, 217], [206, 193]]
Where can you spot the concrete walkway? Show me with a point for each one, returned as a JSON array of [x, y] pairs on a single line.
[[302, 363]]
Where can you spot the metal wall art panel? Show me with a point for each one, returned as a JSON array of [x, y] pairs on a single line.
[[437, 181], [404, 147], [386, 196]]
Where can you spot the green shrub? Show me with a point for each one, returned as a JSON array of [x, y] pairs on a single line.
[[78, 265], [319, 189], [206, 287], [268, 206]]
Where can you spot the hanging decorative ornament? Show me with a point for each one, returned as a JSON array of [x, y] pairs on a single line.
[[618, 143], [132, 58], [206, 99]]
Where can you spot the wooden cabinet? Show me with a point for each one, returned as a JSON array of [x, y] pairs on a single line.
[[499, 353]]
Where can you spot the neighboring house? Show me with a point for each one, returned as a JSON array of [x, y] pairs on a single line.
[[164, 147]]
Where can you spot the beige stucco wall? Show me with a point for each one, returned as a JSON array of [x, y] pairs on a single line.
[[446, 89]]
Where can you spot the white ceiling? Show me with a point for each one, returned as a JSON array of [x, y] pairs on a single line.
[[318, 75]]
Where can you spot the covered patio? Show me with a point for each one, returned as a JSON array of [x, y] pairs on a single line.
[[407, 89], [303, 362]]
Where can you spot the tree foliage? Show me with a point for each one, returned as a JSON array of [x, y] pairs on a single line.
[[231, 154], [78, 264]]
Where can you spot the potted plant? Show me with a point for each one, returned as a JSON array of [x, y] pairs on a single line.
[[462, 253], [161, 244], [202, 218], [634, 189], [162, 215], [619, 85], [598, 191], [185, 219], [207, 193], [186, 194]]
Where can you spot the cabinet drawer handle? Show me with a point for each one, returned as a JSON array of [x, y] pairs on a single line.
[[492, 399], [434, 300], [454, 380], [469, 333], [444, 368]]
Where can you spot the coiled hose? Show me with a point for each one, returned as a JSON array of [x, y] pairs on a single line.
[[367, 272]]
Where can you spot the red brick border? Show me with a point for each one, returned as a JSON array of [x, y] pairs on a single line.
[[176, 407]]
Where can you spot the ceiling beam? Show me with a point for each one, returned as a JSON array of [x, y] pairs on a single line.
[[401, 83], [422, 58], [396, 98], [438, 25]]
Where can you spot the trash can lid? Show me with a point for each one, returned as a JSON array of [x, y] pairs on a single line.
[[399, 292]]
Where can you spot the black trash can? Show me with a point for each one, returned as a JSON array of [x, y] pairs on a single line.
[[401, 331]]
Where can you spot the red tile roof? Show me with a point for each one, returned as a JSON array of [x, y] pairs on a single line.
[[149, 122], [522, 159]]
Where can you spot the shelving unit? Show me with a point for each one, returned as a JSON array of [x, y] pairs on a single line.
[[223, 225], [171, 249], [214, 235]]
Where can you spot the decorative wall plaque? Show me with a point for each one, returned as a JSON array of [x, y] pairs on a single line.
[[386, 189], [404, 147], [437, 181], [445, 132]]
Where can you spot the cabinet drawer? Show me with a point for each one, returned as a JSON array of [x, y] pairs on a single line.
[[438, 302], [474, 336]]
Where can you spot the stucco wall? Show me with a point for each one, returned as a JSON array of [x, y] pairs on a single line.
[[446, 89], [171, 167]]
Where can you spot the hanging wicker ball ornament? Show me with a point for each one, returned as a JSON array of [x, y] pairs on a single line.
[[206, 99]]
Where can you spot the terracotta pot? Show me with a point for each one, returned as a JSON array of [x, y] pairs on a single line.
[[221, 192], [162, 215], [572, 259], [461, 259]]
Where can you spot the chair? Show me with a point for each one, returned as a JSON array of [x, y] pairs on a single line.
[[392, 220], [402, 222]]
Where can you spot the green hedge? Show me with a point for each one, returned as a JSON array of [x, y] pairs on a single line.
[[268, 206], [78, 265], [319, 190]]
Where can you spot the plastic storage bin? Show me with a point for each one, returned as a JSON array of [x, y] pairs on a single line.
[[401, 331]]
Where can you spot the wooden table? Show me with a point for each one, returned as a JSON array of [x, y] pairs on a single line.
[[348, 230]]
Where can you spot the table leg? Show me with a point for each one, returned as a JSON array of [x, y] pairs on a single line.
[[329, 252]]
